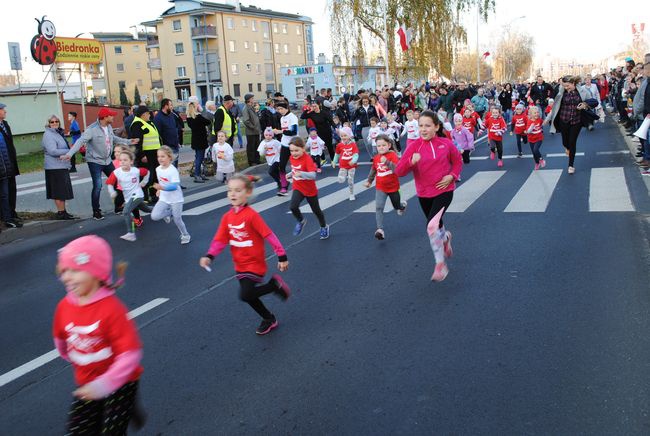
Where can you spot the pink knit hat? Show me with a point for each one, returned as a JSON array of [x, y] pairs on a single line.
[[88, 253], [347, 131]]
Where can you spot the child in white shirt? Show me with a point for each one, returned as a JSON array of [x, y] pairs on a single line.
[[315, 145], [372, 135], [270, 148], [411, 128], [223, 155]]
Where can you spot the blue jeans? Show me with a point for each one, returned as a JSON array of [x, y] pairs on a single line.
[[646, 145], [96, 171], [534, 147], [198, 160], [239, 138], [4, 200], [507, 115], [176, 149]]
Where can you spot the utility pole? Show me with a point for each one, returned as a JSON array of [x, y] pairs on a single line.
[[478, 55]]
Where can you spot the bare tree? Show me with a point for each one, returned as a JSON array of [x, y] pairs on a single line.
[[514, 56], [7, 80], [465, 68]]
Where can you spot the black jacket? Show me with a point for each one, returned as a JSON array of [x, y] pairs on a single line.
[[138, 130], [199, 127], [9, 140], [364, 117], [323, 123], [505, 99], [459, 97], [540, 93]]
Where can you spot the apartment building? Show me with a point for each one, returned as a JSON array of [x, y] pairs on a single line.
[[128, 62], [213, 49]]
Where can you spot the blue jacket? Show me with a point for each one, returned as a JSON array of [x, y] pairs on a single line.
[[166, 125]]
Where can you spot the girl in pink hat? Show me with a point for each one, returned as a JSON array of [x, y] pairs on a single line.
[[93, 332]]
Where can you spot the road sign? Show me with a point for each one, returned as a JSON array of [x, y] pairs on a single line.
[[14, 56]]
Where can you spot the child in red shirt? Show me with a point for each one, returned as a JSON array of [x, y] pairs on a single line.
[[496, 127], [93, 332], [535, 135], [303, 171], [383, 165], [519, 121], [348, 153], [245, 231]]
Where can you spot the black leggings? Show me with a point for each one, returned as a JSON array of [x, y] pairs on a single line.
[[296, 199], [284, 158], [466, 156], [432, 205], [570, 134], [498, 146], [251, 290], [520, 139], [274, 172]]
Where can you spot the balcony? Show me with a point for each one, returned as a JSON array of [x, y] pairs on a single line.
[[154, 64], [152, 41], [204, 32]]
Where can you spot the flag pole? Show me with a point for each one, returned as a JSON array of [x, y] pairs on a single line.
[[386, 43]]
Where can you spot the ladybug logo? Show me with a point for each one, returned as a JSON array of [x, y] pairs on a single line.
[[43, 46]]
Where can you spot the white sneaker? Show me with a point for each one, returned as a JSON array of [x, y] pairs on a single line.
[[352, 197], [129, 237], [185, 239], [167, 219], [571, 170], [401, 211]]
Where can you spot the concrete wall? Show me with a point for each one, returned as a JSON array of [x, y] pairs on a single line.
[[26, 115]]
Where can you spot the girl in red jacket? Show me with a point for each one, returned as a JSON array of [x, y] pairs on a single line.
[[535, 136], [436, 166], [93, 332], [245, 231], [496, 127], [519, 121]]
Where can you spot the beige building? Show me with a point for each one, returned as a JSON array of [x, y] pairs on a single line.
[[128, 62], [212, 49]]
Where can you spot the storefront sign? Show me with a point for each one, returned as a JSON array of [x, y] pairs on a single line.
[[305, 70], [78, 50], [181, 82]]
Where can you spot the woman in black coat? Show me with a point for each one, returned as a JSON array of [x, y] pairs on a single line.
[[323, 123], [199, 127], [505, 99], [362, 116]]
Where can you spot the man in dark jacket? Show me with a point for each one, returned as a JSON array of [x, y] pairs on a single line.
[[252, 122], [165, 122], [269, 117], [128, 119], [540, 93], [8, 172], [460, 95]]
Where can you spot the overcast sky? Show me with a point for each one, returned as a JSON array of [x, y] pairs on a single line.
[[559, 27]]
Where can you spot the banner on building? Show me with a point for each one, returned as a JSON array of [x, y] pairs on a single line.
[[78, 50]]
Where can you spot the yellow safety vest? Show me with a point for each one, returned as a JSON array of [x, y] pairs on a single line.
[[227, 124], [151, 140]]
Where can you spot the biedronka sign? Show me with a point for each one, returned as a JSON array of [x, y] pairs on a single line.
[[78, 50]]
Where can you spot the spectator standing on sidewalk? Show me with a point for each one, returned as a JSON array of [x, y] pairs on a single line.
[[225, 121], [74, 133], [165, 122], [198, 125], [128, 119], [143, 129], [99, 141], [641, 110], [58, 186], [251, 121], [8, 172]]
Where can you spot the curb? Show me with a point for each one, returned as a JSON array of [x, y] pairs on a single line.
[[34, 228]]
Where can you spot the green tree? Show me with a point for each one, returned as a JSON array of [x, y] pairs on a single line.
[[435, 26], [123, 100], [136, 96]]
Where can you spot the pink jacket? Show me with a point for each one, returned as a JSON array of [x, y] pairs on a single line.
[[438, 158]]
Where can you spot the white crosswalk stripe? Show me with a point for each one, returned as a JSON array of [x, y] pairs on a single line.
[[276, 201], [337, 197], [536, 192], [205, 194], [208, 207], [471, 189], [407, 191], [42, 188], [608, 191]]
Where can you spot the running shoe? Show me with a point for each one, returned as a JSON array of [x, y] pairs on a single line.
[[536, 166], [492, 155], [267, 325], [13, 224], [129, 237], [645, 173], [379, 234], [447, 245], [138, 222], [352, 197], [520, 154], [167, 219], [300, 226], [542, 163], [500, 163], [325, 232], [185, 239], [318, 170], [440, 273], [402, 211], [97, 215], [283, 192], [284, 292], [571, 170]]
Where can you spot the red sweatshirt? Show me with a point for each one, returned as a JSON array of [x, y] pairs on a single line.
[[304, 164], [534, 128], [519, 122], [496, 128]]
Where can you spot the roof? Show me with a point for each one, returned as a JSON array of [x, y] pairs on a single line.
[[197, 7], [118, 36]]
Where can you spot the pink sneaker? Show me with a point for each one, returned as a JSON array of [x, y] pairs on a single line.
[[447, 246], [500, 163], [542, 163], [491, 155], [319, 170], [440, 273], [536, 166]]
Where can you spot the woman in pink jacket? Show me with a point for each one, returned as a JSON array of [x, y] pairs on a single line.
[[436, 166]]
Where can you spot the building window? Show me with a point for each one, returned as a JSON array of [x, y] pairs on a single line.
[[236, 90], [235, 68], [246, 45], [230, 23], [121, 84], [179, 48], [265, 29], [120, 68], [270, 87], [248, 67], [275, 27], [258, 68], [254, 25], [286, 49], [244, 23], [259, 87], [285, 29], [180, 72], [250, 87], [277, 48], [136, 48], [256, 48], [137, 65], [268, 72], [196, 22], [231, 46], [139, 82], [298, 30], [176, 25], [118, 49], [198, 46], [268, 54], [299, 48]]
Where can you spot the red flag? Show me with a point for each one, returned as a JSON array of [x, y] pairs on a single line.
[[486, 54], [404, 37]]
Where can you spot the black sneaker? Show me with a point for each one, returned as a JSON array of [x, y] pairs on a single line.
[[97, 215], [63, 215], [13, 224], [283, 291], [267, 325]]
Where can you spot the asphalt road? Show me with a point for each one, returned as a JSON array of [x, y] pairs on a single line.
[[541, 326]]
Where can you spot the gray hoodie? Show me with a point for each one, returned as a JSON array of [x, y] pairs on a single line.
[[97, 150]]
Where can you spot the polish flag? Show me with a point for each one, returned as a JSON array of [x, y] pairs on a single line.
[[405, 36], [486, 54]]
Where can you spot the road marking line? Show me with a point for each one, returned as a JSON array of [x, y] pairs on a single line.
[[608, 191], [535, 193], [407, 190], [208, 207], [51, 355], [470, 190], [30, 184], [42, 189], [337, 197], [277, 200], [604, 153], [514, 156], [205, 194]]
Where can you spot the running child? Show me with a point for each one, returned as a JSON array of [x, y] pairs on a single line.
[[410, 128], [303, 174], [224, 156], [118, 201], [496, 127], [93, 332], [549, 107], [535, 136], [270, 149], [385, 129], [373, 131], [348, 153], [397, 127], [470, 119], [288, 129], [383, 165], [462, 138], [315, 145], [436, 165], [128, 177], [169, 193], [245, 231], [519, 121]]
